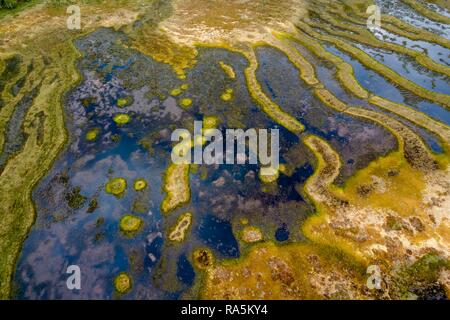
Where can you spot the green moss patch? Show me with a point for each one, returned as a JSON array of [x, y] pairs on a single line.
[[92, 134], [203, 258], [122, 118], [130, 223], [227, 95], [186, 102], [140, 184], [123, 283], [175, 92], [116, 186], [75, 199], [122, 102]]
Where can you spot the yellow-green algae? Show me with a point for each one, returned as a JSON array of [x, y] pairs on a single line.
[[178, 232], [210, 122], [123, 283], [116, 186], [228, 70], [92, 134], [176, 92], [251, 234], [273, 110], [122, 102], [295, 271], [140, 184], [413, 145], [130, 224], [203, 258], [176, 178], [186, 102], [176, 186], [121, 118], [227, 95]]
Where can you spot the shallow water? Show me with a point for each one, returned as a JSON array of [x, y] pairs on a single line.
[[348, 136], [441, 10], [375, 83], [436, 52], [409, 68], [325, 73], [70, 230], [407, 14]]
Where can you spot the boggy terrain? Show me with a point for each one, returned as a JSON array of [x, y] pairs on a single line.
[[86, 178]]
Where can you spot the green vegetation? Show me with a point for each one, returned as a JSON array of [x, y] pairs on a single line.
[[203, 258], [130, 224], [123, 283], [178, 232], [140, 184], [75, 199], [227, 95], [186, 102], [122, 102], [332, 262], [93, 205], [92, 134], [176, 186], [121, 118], [176, 92], [116, 186], [11, 4], [413, 281]]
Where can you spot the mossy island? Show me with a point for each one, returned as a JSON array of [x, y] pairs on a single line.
[[210, 122], [176, 186], [203, 258], [92, 134], [116, 186], [268, 175], [227, 95], [130, 224], [251, 234], [123, 283], [179, 231], [186, 102], [125, 101], [175, 92], [121, 119], [140, 184], [228, 70]]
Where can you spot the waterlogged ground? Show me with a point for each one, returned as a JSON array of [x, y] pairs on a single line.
[[68, 233], [404, 12], [362, 182]]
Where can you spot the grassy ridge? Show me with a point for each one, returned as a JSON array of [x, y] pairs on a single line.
[[11, 4]]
